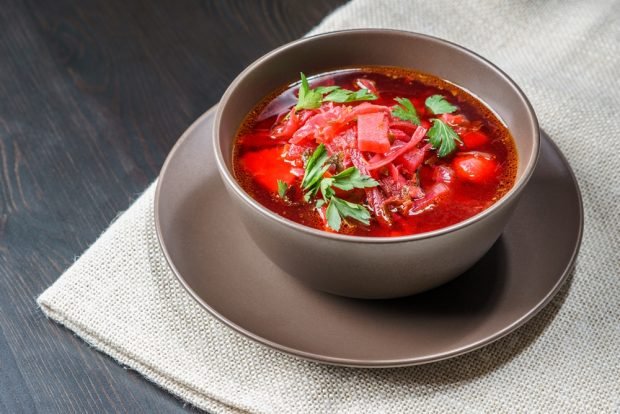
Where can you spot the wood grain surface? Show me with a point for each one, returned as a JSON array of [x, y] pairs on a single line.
[[93, 94]]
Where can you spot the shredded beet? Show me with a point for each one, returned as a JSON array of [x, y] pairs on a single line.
[[397, 149]]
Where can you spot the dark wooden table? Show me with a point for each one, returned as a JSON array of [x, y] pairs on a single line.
[[93, 94]]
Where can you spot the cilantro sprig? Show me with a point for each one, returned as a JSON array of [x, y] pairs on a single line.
[[344, 95], [405, 111], [438, 105], [337, 208], [307, 98], [442, 137], [313, 98], [351, 178]]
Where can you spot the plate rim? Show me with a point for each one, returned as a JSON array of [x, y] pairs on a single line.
[[360, 363]]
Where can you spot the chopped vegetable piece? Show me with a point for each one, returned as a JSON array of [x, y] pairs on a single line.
[[475, 167], [412, 160], [397, 149], [288, 127], [364, 83], [372, 133], [443, 174], [398, 135], [474, 139], [406, 127]]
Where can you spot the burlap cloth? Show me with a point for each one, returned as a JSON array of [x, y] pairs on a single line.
[[123, 300]]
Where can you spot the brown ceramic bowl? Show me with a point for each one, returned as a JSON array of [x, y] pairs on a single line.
[[375, 267]]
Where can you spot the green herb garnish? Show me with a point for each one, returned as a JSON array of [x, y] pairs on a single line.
[[405, 111], [438, 105], [315, 168], [333, 216], [351, 178], [282, 188], [313, 98], [442, 137], [326, 89], [308, 98], [344, 95], [344, 209]]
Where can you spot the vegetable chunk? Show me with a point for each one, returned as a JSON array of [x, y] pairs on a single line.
[[372, 133]]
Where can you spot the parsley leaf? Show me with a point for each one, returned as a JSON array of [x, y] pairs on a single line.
[[326, 89], [313, 98], [282, 188], [337, 208], [345, 95], [314, 167], [307, 98], [442, 137], [333, 216], [352, 178], [346, 210], [438, 105], [405, 111], [326, 188]]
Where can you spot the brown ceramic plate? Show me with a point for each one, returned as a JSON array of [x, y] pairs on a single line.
[[216, 261]]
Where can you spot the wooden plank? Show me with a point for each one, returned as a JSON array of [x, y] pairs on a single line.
[[93, 94]]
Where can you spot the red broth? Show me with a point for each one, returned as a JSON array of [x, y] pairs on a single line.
[[415, 192]]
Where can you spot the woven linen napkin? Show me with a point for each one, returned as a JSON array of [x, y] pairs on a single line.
[[122, 299]]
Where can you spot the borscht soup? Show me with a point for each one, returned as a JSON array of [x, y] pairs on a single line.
[[374, 151]]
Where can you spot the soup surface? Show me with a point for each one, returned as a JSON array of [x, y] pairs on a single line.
[[374, 151]]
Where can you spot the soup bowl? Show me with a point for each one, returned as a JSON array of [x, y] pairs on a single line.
[[375, 267]]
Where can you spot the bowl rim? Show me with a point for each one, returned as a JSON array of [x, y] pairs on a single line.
[[232, 183]]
